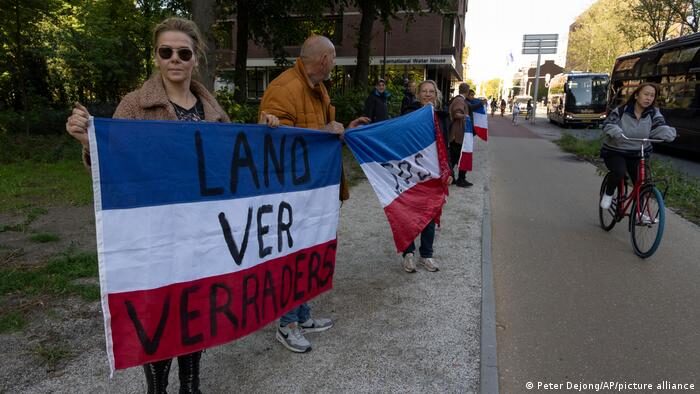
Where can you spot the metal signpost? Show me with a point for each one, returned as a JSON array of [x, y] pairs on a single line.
[[540, 44]]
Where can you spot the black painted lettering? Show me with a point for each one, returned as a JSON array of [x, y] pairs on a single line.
[[277, 161], [237, 162], [215, 308], [201, 169], [314, 265], [283, 226], [421, 175], [405, 175], [250, 299], [298, 295], [269, 291], [306, 177], [286, 286], [328, 264], [262, 230], [228, 237], [390, 168], [186, 315], [149, 344]]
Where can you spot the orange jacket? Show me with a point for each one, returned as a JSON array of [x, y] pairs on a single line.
[[296, 102]]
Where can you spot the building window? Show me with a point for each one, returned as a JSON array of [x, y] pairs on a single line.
[[256, 83], [448, 31]]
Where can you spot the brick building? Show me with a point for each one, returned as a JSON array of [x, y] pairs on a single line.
[[429, 47]]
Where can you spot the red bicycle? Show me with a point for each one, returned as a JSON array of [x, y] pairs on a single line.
[[647, 215]]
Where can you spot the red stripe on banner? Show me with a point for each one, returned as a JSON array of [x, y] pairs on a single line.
[[481, 133], [465, 161], [411, 211], [157, 324]]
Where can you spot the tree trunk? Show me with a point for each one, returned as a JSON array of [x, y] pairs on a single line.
[[369, 14], [204, 15], [240, 75]]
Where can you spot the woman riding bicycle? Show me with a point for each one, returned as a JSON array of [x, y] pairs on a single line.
[[636, 118]]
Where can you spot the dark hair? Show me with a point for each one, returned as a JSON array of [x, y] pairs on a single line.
[[631, 99], [186, 26]]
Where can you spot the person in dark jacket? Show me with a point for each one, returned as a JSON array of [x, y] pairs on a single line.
[[376, 107], [409, 97]]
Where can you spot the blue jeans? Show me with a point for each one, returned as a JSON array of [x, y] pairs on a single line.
[[427, 236], [299, 314]]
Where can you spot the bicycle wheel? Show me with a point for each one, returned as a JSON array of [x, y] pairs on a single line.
[[647, 226], [607, 217]]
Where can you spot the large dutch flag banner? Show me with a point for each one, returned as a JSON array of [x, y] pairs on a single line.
[[481, 122], [400, 159], [206, 232]]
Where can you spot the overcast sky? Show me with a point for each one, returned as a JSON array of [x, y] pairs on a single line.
[[495, 28]]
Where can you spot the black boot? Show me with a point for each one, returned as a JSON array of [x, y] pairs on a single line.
[[188, 370], [462, 180], [157, 376]]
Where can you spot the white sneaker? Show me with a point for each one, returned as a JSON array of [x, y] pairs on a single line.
[[429, 264], [408, 264], [606, 201], [292, 338], [645, 219], [316, 325]]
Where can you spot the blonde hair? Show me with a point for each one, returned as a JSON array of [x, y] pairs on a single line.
[[199, 47], [438, 93]]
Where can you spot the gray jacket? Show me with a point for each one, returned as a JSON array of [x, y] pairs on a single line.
[[622, 120]]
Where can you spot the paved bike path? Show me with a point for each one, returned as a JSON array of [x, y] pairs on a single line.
[[573, 302]]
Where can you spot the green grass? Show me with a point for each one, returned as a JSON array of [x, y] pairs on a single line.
[[28, 184], [55, 278], [587, 149], [683, 192], [51, 354], [44, 237], [353, 171], [12, 321]]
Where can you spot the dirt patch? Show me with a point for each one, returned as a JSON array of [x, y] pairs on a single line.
[[74, 227], [58, 329]]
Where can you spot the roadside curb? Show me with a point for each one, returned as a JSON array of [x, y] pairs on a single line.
[[489, 354]]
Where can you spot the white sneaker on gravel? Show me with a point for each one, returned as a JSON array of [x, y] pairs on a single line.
[[408, 264], [316, 325], [429, 264], [291, 337]]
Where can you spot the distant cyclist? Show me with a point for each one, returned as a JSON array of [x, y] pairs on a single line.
[[636, 118]]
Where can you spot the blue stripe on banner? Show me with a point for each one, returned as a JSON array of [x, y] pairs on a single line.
[[148, 163], [393, 139]]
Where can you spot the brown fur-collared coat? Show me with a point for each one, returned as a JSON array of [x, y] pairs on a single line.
[[150, 102]]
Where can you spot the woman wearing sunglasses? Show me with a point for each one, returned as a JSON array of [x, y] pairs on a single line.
[[170, 94]]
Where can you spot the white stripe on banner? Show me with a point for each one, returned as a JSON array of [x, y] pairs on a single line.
[[145, 256], [394, 177], [480, 120]]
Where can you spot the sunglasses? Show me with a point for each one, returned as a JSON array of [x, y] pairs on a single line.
[[165, 53]]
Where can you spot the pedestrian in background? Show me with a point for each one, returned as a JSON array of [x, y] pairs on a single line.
[[429, 94], [516, 113], [376, 104], [503, 107], [299, 98], [460, 109], [170, 94], [409, 97], [528, 114]]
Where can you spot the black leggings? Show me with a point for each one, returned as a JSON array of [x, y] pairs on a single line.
[[188, 371], [618, 164]]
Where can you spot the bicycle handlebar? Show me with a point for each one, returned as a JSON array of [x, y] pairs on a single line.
[[641, 139]]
